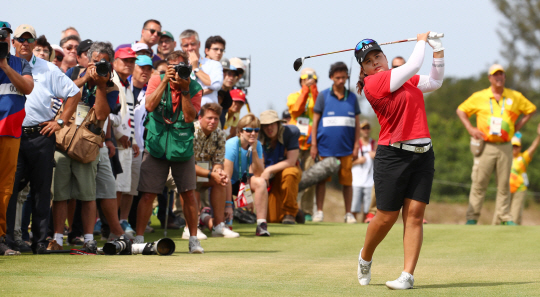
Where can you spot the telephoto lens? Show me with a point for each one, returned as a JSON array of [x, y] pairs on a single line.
[[103, 68], [162, 247], [183, 70], [120, 246]]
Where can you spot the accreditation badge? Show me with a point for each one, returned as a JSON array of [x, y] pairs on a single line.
[[80, 115], [525, 179], [303, 125], [495, 126]]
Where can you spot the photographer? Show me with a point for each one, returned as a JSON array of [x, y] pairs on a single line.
[[70, 174], [15, 82], [38, 140], [172, 101]]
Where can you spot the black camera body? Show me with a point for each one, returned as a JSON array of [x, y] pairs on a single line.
[[103, 68], [4, 46], [183, 70], [120, 246]]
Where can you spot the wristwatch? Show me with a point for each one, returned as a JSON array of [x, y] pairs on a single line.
[[60, 122], [196, 70], [185, 93]]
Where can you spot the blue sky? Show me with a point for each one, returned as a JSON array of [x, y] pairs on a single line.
[[275, 33]]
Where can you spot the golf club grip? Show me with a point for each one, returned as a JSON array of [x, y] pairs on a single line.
[[439, 35]]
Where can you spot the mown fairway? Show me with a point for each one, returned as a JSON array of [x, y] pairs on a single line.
[[300, 260]]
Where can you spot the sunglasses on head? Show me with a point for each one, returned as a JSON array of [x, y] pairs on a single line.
[[153, 31], [250, 130], [5, 25], [363, 43], [22, 40]]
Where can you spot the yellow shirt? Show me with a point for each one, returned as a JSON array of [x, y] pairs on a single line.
[[518, 175], [509, 108], [291, 100]]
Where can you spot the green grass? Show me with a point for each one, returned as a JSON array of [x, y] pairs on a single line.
[[308, 260]]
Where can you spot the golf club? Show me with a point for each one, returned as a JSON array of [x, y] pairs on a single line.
[[300, 61]]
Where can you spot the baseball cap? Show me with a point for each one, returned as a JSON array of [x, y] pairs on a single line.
[[494, 68], [227, 65], [269, 117], [125, 53], [238, 95], [6, 26], [84, 46], [238, 64], [516, 141], [364, 123], [286, 114], [139, 46], [57, 48], [144, 60], [23, 29], [168, 34], [364, 47]]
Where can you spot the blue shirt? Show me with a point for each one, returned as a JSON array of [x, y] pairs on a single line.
[[232, 148], [275, 155], [89, 96], [49, 82], [337, 126]]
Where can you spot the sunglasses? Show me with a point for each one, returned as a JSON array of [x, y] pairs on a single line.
[[70, 47], [59, 58], [366, 128], [250, 130], [221, 50], [22, 40], [395, 66], [154, 31], [363, 43]]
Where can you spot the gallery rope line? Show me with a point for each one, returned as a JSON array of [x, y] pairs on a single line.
[[468, 186]]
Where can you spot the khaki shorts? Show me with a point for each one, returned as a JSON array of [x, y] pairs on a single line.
[[154, 174], [135, 174], [345, 170], [123, 180], [105, 184], [73, 179]]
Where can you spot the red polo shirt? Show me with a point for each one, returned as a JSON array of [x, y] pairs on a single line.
[[401, 114]]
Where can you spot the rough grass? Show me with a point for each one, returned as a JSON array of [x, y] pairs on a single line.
[[301, 260]]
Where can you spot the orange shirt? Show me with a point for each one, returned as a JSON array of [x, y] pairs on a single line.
[[175, 94]]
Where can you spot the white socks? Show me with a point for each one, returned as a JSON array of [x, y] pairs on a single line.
[[364, 262], [88, 237], [192, 238], [260, 221], [139, 239], [59, 238]]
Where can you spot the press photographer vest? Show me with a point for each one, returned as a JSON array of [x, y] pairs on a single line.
[[174, 140]]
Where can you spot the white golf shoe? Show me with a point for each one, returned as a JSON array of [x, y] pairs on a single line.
[[364, 271], [318, 216], [200, 234], [222, 231], [404, 281], [349, 218]]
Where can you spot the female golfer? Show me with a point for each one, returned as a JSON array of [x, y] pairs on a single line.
[[404, 163]]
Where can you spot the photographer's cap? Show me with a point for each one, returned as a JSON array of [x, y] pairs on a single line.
[[84, 46], [125, 53], [494, 68], [144, 60], [139, 46], [268, 117], [58, 49], [168, 34], [226, 64], [6, 26], [238, 95], [364, 47], [24, 29]]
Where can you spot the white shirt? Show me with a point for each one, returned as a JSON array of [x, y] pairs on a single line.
[[140, 115], [215, 71], [49, 82], [363, 173]]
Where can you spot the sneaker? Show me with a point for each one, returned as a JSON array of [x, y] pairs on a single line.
[[90, 246], [127, 229], [471, 222], [318, 217], [288, 219], [369, 217], [21, 246], [6, 251], [97, 228], [509, 223], [308, 218], [76, 240], [54, 246], [195, 247], [349, 218], [200, 234], [364, 272], [404, 281], [222, 231], [262, 230]]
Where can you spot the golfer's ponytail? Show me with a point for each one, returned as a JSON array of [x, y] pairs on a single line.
[[360, 84]]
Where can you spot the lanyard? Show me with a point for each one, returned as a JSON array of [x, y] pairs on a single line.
[[502, 107], [240, 160], [89, 93], [347, 94]]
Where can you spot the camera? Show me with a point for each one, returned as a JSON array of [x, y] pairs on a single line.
[[103, 68], [183, 70], [120, 246], [4, 47]]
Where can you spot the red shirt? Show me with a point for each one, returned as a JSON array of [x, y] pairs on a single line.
[[176, 95], [401, 114]]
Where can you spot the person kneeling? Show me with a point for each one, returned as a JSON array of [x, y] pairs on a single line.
[[241, 162], [281, 149]]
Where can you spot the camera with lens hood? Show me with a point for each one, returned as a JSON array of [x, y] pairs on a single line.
[[183, 70], [120, 246], [4, 46], [103, 68]]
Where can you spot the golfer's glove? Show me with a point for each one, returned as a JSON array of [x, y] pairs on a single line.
[[435, 43]]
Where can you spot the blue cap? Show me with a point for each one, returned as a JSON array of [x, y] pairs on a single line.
[[144, 60]]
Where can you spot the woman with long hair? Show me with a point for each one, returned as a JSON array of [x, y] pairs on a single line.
[[404, 162]]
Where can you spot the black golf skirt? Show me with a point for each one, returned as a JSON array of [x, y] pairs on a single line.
[[400, 174]]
